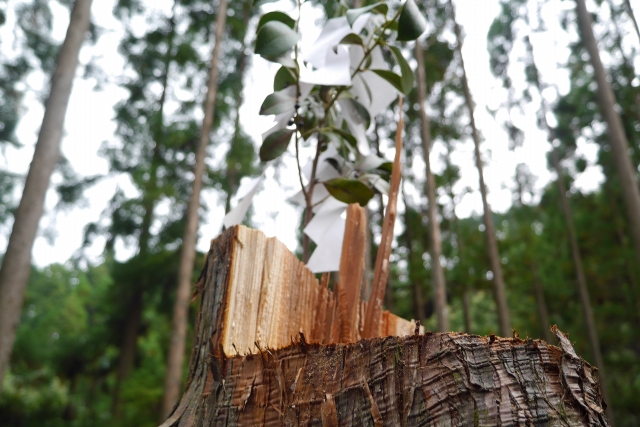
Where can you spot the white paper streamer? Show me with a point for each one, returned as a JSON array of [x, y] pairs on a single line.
[[370, 162], [327, 255], [335, 72], [237, 214], [328, 211], [332, 33], [355, 125]]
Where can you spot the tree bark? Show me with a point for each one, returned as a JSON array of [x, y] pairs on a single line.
[[416, 380], [437, 272], [16, 267], [490, 234], [617, 138], [173, 377]]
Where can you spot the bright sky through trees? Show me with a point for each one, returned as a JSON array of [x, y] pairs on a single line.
[[89, 122]]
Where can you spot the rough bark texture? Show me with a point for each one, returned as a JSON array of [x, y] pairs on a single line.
[[435, 247], [617, 137], [435, 379], [489, 232], [16, 267], [173, 376]]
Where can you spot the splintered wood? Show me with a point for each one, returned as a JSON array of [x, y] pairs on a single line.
[[271, 297]]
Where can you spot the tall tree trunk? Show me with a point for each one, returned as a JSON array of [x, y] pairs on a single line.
[[418, 303], [466, 310], [625, 59], [583, 291], [632, 16], [543, 312], [16, 267], [128, 348], [623, 242], [617, 137], [467, 291], [490, 234], [136, 303], [232, 175], [437, 272], [175, 361]]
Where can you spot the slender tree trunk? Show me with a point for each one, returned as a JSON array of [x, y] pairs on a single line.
[[490, 235], [632, 16], [418, 304], [466, 310], [623, 241], [437, 272], [128, 348], [16, 267], [583, 291], [232, 174], [543, 313], [617, 137], [625, 60], [173, 377], [136, 303]]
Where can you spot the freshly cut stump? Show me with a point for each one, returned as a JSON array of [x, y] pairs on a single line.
[[432, 379]]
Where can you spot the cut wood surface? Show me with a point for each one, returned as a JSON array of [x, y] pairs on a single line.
[[271, 296], [416, 379], [351, 270]]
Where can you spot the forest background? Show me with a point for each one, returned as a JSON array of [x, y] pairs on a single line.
[[67, 364]]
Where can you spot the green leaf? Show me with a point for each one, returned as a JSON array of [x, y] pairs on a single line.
[[275, 38], [352, 38], [284, 60], [411, 23], [276, 16], [257, 3], [354, 14], [386, 166], [276, 103], [345, 135], [283, 79], [391, 77], [275, 144], [363, 113], [349, 190], [407, 73]]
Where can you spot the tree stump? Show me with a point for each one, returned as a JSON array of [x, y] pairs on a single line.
[[264, 354]]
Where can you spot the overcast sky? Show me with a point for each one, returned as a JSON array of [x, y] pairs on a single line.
[[90, 121]]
